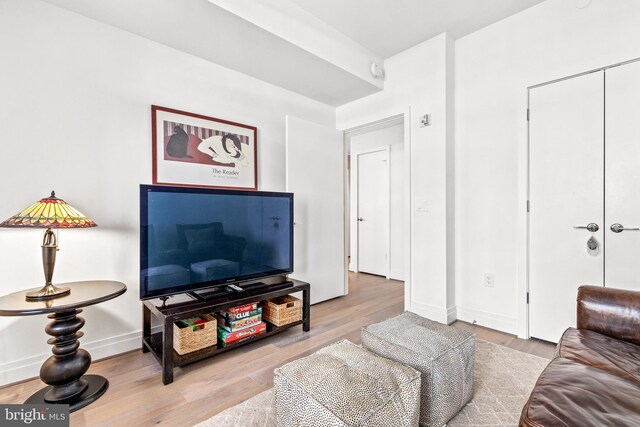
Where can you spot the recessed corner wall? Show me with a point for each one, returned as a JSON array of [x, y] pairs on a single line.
[[75, 109], [415, 81], [494, 66]]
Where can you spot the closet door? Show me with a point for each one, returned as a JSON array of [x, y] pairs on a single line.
[[622, 180], [566, 179]]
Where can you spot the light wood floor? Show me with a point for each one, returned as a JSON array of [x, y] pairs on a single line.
[[136, 396]]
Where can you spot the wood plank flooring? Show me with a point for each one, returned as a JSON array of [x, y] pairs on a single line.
[[136, 396]]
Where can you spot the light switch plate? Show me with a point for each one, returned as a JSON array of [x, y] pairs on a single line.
[[488, 280]]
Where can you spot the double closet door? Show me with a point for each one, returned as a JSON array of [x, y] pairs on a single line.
[[584, 192]]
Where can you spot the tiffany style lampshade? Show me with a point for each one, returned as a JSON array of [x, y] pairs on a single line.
[[49, 213]]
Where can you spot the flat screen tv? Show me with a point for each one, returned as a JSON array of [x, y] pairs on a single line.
[[196, 238]]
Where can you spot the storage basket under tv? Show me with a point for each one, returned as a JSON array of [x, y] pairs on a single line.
[[282, 310], [195, 336]]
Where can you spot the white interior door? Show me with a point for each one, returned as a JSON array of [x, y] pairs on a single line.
[[315, 175], [566, 190], [622, 183], [373, 211]]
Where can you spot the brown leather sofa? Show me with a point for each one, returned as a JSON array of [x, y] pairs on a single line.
[[594, 377]]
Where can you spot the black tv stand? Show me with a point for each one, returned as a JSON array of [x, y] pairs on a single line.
[[195, 296], [225, 290], [160, 343]]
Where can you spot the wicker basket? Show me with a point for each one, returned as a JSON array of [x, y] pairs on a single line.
[[197, 337], [282, 310]]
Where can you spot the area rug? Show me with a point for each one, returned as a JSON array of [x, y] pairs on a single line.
[[503, 381]]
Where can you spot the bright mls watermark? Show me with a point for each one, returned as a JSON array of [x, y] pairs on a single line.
[[34, 415]]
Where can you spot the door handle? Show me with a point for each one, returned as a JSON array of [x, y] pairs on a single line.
[[360, 219], [619, 228], [592, 227]]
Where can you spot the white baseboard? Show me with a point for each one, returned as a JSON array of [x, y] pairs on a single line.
[[432, 312], [452, 314], [24, 369], [27, 368], [489, 320]]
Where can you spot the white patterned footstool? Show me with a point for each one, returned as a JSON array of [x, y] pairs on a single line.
[[443, 354], [345, 385]]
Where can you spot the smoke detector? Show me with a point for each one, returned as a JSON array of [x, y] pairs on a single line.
[[376, 70]]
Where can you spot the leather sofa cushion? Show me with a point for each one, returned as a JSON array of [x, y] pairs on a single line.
[[610, 311], [619, 358], [571, 394]]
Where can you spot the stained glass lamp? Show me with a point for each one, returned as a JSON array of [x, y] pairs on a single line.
[[50, 212]]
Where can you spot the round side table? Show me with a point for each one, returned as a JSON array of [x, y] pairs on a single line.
[[64, 371]]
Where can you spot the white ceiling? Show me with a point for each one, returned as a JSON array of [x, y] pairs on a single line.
[[387, 27], [202, 29], [321, 49]]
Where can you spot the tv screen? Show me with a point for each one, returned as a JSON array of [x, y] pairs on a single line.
[[195, 238]]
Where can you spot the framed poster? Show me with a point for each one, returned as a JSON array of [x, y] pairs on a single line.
[[199, 151]]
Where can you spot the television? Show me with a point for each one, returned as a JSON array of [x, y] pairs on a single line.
[[197, 238]]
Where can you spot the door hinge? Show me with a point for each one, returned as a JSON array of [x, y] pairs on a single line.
[[528, 206], [528, 114], [527, 297]]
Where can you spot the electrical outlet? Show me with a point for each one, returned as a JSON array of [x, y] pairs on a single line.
[[488, 280]]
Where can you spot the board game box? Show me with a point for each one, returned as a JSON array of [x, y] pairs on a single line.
[[227, 338], [230, 317], [239, 324], [242, 308]]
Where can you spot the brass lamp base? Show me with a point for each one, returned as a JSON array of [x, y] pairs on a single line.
[[47, 292]]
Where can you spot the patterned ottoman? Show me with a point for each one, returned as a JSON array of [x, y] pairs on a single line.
[[443, 354], [345, 385]]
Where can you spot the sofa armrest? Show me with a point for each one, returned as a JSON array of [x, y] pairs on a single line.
[[611, 312]]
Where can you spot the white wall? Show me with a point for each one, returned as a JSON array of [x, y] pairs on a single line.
[[75, 113], [415, 84], [481, 79], [494, 66], [394, 137], [76, 96]]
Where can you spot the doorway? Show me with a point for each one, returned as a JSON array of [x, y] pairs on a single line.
[[584, 217], [376, 188], [370, 179]]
